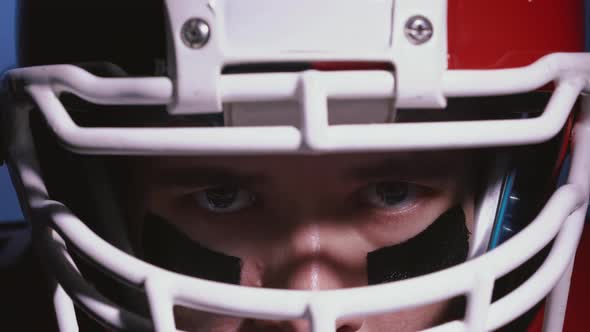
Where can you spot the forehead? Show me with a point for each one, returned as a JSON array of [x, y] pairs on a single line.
[[367, 164]]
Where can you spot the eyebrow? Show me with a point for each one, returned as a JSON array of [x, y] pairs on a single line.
[[205, 176], [426, 166]]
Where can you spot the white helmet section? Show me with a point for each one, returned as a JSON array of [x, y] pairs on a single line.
[[208, 35]]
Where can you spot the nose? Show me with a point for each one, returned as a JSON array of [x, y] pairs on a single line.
[[313, 257], [310, 256]]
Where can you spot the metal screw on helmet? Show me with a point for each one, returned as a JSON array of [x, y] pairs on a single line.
[[195, 33], [418, 29]]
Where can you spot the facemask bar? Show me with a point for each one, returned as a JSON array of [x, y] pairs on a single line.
[[311, 89], [474, 278], [486, 207]]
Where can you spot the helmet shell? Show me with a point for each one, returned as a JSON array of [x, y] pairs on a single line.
[[512, 33]]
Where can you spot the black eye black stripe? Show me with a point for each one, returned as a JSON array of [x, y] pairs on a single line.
[[443, 244], [168, 248]]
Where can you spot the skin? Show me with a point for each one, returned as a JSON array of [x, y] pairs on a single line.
[[305, 222]]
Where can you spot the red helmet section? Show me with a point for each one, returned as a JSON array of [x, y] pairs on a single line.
[[512, 33]]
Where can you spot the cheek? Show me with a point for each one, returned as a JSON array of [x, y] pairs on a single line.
[[469, 208], [252, 272]]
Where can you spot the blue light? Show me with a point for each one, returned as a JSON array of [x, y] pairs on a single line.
[[9, 208]]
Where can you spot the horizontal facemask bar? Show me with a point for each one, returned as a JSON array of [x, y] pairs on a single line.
[[281, 113], [311, 90]]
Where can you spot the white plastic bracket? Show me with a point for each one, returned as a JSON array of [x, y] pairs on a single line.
[[195, 72], [419, 68]]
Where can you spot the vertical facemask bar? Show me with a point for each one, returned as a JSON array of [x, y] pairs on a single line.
[[314, 105], [320, 318], [63, 304], [488, 205], [556, 302], [478, 301], [161, 305], [65, 313]]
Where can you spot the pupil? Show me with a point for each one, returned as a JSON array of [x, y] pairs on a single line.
[[392, 193], [221, 197]]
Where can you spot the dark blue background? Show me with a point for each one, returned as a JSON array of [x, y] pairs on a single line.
[[9, 209]]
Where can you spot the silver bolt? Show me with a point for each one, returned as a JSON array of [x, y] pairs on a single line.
[[195, 33], [418, 29]]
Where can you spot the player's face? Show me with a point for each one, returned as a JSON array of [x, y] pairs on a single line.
[[308, 222]]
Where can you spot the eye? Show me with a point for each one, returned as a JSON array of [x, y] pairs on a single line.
[[224, 199], [390, 195]]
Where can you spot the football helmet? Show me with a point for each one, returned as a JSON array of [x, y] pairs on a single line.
[[192, 69]]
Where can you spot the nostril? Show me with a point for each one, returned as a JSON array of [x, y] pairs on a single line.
[[346, 328], [350, 326]]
